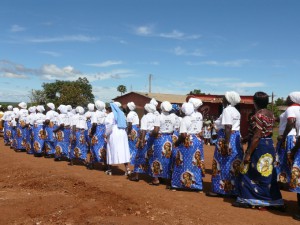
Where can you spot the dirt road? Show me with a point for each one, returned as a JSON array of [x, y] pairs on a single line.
[[42, 191]]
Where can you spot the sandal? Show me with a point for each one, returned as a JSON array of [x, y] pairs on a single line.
[[212, 194], [108, 172], [240, 205]]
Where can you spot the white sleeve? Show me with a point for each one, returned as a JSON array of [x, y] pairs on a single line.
[[290, 113], [109, 123], [227, 118], [157, 121], [144, 123], [184, 125]]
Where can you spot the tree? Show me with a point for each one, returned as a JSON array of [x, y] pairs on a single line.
[[73, 93], [37, 97], [280, 101], [122, 89], [196, 92]]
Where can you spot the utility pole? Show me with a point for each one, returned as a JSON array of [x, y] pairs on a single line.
[[150, 79]]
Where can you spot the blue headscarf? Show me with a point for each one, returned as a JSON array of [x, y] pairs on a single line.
[[119, 116], [175, 108]]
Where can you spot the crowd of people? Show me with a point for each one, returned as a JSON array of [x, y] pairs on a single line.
[[167, 144]]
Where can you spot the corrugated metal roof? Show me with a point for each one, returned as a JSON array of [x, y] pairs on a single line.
[[179, 99]]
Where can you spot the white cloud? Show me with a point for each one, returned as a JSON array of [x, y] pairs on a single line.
[[14, 75], [143, 30], [175, 34], [67, 38], [183, 52], [17, 28], [105, 64], [233, 63], [54, 54]]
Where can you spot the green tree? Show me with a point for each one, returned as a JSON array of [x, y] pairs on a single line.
[[37, 97], [196, 92], [280, 101], [122, 89], [73, 93]]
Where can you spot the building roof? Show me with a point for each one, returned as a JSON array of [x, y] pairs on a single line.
[[179, 99], [218, 98]]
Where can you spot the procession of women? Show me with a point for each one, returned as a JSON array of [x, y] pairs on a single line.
[[167, 144]]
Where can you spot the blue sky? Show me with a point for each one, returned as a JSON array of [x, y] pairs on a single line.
[[215, 46]]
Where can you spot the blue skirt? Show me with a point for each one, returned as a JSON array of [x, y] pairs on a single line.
[[50, 141], [98, 144], [38, 139], [81, 148], [225, 168], [258, 184], [7, 132], [141, 163], [20, 138], [160, 161], [282, 168], [132, 140], [295, 174], [188, 161], [29, 141], [63, 143]]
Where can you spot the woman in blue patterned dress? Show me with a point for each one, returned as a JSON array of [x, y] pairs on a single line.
[[80, 147], [21, 127], [13, 125], [30, 125], [62, 133], [228, 151], [50, 125], [133, 130], [97, 135], [283, 148], [39, 134], [188, 155], [88, 116], [7, 117], [293, 120], [160, 161], [258, 184], [145, 143]]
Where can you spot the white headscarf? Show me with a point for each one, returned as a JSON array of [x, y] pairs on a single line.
[[196, 102], [32, 109], [91, 107], [100, 105], [118, 104], [22, 105], [166, 106], [40, 108], [232, 97], [131, 106], [63, 109], [69, 108], [16, 110], [187, 108], [154, 102], [10, 108], [150, 108], [51, 105], [80, 110], [295, 97]]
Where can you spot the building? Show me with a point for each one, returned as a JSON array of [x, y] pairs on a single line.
[[212, 104]]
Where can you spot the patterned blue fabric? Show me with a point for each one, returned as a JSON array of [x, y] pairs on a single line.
[[20, 137], [295, 174], [258, 184], [188, 161], [13, 137], [29, 141], [80, 149], [38, 139], [63, 143], [88, 131], [6, 132], [282, 168], [225, 168], [160, 161], [98, 144], [132, 140], [141, 163], [50, 140]]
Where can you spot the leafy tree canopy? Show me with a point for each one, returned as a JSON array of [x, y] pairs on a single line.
[[122, 89], [196, 92]]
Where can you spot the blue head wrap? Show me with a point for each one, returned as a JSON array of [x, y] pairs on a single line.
[[175, 108], [119, 116]]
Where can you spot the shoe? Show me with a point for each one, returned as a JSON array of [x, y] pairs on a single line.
[[296, 216], [153, 184], [213, 194], [108, 172], [240, 205], [127, 173], [134, 179]]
